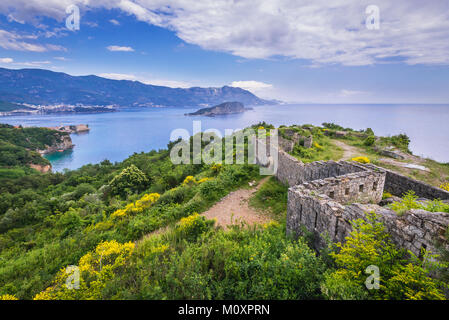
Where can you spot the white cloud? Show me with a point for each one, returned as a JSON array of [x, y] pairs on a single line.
[[119, 48], [14, 41], [350, 93], [114, 22], [33, 64], [152, 81], [6, 60], [251, 85], [413, 31]]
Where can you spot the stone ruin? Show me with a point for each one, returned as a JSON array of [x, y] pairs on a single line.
[[325, 196], [294, 138]]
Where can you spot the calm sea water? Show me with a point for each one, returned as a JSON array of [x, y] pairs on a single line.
[[115, 136]]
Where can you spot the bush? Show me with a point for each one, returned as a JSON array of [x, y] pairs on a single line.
[[130, 179], [369, 141], [400, 278], [401, 141], [363, 160], [191, 227], [445, 186]]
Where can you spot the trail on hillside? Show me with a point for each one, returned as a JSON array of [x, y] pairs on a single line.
[[234, 208], [349, 152], [414, 162]]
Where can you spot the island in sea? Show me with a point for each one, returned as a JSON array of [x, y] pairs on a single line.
[[224, 108]]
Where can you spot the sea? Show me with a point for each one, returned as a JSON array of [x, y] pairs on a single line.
[[117, 135]]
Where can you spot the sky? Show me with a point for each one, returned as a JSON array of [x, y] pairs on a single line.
[[376, 51]]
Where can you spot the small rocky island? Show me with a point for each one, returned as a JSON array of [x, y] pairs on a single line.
[[224, 108]]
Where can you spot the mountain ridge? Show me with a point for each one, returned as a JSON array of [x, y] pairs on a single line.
[[46, 87]]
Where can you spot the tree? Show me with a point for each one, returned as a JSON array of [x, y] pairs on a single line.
[[130, 180]]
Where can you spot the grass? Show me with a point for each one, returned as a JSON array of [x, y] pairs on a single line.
[[439, 172], [325, 150], [271, 197]]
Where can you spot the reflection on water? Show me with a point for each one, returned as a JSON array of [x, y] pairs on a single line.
[[117, 135]]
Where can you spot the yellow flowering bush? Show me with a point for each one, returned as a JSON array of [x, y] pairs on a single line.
[[445, 186], [318, 146], [192, 226], [204, 180], [271, 224], [361, 159], [189, 180], [143, 203], [96, 269], [216, 167], [8, 297]]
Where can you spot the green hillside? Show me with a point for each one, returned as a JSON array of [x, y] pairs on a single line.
[[135, 231]]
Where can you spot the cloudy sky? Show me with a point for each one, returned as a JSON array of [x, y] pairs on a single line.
[[295, 51]]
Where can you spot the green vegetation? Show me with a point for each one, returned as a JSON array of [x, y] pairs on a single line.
[[400, 276], [135, 231], [18, 146], [272, 195], [321, 149], [409, 201]]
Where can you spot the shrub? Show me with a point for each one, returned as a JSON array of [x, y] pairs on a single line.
[[130, 179], [96, 268], [216, 167], [386, 195], [400, 278], [363, 160], [408, 202], [369, 131], [191, 227], [135, 207], [369, 141], [445, 186], [189, 180], [401, 141], [8, 297], [318, 146]]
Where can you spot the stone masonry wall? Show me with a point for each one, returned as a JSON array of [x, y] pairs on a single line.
[[292, 171], [320, 193], [398, 184], [325, 217], [363, 187]]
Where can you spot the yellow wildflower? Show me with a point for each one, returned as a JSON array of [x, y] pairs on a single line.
[[361, 159]]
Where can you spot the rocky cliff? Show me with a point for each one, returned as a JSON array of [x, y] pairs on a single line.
[[221, 109], [62, 143]]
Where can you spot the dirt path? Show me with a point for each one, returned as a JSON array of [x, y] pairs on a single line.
[[234, 208], [349, 152]]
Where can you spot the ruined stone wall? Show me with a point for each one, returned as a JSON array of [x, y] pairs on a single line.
[[320, 191], [325, 217], [398, 184], [363, 187], [293, 171], [286, 144]]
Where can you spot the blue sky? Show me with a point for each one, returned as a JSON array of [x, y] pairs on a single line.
[[295, 51]]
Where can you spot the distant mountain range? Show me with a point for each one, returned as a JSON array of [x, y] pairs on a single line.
[[45, 87]]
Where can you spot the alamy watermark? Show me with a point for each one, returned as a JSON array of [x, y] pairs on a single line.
[[207, 147], [73, 280], [72, 22], [372, 21], [372, 282]]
